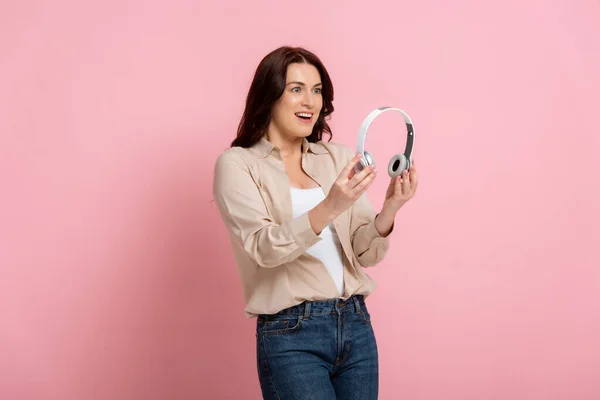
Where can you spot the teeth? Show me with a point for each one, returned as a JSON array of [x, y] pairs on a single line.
[[307, 115]]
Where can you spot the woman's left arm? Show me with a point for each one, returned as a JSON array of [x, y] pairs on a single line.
[[400, 190], [369, 231]]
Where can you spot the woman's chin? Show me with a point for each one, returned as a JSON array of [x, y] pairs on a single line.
[[303, 132]]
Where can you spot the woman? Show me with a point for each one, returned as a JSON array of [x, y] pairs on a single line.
[[302, 229]]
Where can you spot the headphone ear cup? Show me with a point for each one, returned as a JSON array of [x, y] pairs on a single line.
[[369, 159], [364, 162], [397, 164]]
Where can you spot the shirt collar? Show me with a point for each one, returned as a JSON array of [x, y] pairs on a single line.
[[263, 147]]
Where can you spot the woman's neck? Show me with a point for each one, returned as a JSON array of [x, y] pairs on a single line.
[[289, 147]]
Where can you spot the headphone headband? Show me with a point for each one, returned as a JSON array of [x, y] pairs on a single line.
[[364, 128]]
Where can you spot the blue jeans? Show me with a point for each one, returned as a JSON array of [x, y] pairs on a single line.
[[318, 350]]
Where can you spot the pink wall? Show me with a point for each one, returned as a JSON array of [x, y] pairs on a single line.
[[111, 117]]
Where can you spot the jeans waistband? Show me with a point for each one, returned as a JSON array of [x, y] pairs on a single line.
[[316, 307]]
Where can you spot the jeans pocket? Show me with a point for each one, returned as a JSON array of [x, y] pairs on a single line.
[[279, 325]]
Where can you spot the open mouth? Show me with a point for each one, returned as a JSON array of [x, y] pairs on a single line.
[[304, 116]]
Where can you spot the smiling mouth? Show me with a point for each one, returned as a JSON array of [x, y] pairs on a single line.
[[304, 116]]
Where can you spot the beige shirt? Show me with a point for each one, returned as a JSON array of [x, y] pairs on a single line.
[[252, 192]]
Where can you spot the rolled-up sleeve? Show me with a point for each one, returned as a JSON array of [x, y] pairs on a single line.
[[245, 215]]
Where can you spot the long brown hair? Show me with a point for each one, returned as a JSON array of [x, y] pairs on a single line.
[[267, 87]]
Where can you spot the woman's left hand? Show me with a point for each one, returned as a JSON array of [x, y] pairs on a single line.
[[401, 189]]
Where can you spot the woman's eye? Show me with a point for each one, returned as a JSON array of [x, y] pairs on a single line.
[[296, 89], [318, 90]]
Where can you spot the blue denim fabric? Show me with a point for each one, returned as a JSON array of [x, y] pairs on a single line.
[[318, 350]]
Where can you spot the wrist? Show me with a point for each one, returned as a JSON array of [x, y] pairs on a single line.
[[388, 213], [321, 216], [390, 208], [384, 222], [328, 210]]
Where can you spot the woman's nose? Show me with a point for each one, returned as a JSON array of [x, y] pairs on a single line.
[[308, 99]]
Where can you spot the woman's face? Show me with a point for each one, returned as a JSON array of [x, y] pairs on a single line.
[[295, 113]]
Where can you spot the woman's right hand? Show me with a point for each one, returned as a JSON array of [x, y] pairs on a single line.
[[346, 189], [349, 186]]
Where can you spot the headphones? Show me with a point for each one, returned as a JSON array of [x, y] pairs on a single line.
[[399, 162]]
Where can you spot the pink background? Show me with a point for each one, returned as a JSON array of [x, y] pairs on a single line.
[[112, 114]]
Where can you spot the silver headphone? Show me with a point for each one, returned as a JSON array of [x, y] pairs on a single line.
[[399, 162]]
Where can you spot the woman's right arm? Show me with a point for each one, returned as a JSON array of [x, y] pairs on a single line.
[[244, 213]]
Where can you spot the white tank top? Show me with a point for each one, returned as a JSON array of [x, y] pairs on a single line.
[[328, 250]]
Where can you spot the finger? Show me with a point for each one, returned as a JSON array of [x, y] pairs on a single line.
[[367, 185], [364, 184], [398, 185], [349, 168], [413, 180], [413, 167], [356, 179], [405, 183]]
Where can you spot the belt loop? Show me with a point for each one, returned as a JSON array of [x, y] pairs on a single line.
[[306, 310], [356, 304]]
